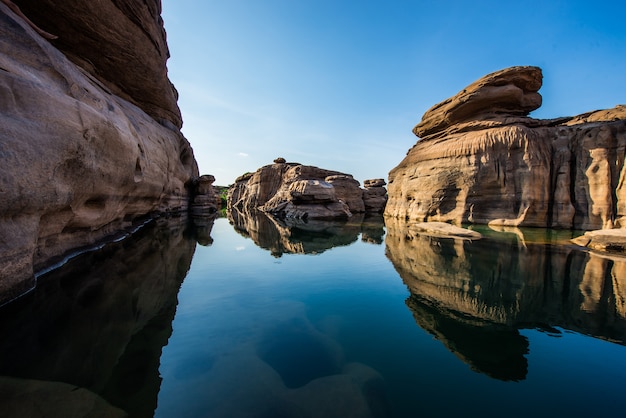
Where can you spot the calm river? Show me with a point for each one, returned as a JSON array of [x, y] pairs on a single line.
[[255, 318]]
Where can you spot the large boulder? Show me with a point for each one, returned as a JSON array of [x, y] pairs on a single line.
[[293, 190], [348, 188], [79, 162], [480, 159], [374, 195], [205, 200]]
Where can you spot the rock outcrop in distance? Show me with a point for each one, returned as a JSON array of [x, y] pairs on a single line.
[[293, 190], [481, 159], [89, 130]]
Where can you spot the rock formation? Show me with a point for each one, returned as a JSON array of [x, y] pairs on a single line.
[[481, 159], [293, 190], [205, 199], [374, 195], [89, 144], [128, 57]]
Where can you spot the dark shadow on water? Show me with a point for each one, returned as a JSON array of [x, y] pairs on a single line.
[[475, 296], [100, 321], [297, 355], [497, 351]]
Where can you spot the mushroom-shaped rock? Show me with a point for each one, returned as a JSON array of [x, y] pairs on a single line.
[[512, 91]]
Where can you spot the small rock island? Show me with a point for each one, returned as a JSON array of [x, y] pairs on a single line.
[[294, 190]]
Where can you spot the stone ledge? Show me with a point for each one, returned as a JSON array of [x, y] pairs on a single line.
[[611, 240]]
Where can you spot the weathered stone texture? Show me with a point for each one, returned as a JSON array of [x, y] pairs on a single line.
[[78, 162], [374, 195], [205, 198], [120, 42], [496, 166], [292, 190]]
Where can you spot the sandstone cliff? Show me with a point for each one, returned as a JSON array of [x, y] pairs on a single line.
[[86, 149], [293, 190], [481, 159]]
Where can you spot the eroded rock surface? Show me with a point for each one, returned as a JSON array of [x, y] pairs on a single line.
[[80, 160], [293, 190], [206, 200], [482, 160], [120, 42]]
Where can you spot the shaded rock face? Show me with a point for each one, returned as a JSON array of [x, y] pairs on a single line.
[[481, 160], [374, 195], [120, 42], [292, 190], [206, 200], [506, 281], [78, 162]]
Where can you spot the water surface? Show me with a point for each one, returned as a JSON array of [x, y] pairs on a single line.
[[275, 319]]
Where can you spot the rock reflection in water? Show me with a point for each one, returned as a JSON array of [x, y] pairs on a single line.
[[297, 236], [474, 296], [101, 321]]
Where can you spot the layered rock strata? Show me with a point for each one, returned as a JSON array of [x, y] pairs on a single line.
[[205, 199], [128, 56], [293, 190], [374, 195], [80, 159], [481, 159]]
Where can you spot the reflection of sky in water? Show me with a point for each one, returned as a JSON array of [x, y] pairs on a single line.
[[416, 326], [245, 318]]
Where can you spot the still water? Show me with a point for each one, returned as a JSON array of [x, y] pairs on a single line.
[[255, 318]]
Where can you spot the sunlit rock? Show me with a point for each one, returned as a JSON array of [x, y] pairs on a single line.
[[350, 191], [480, 159], [292, 190]]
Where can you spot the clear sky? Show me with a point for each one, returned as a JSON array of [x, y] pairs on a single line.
[[339, 84]]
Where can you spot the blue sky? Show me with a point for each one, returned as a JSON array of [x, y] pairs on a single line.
[[340, 84]]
